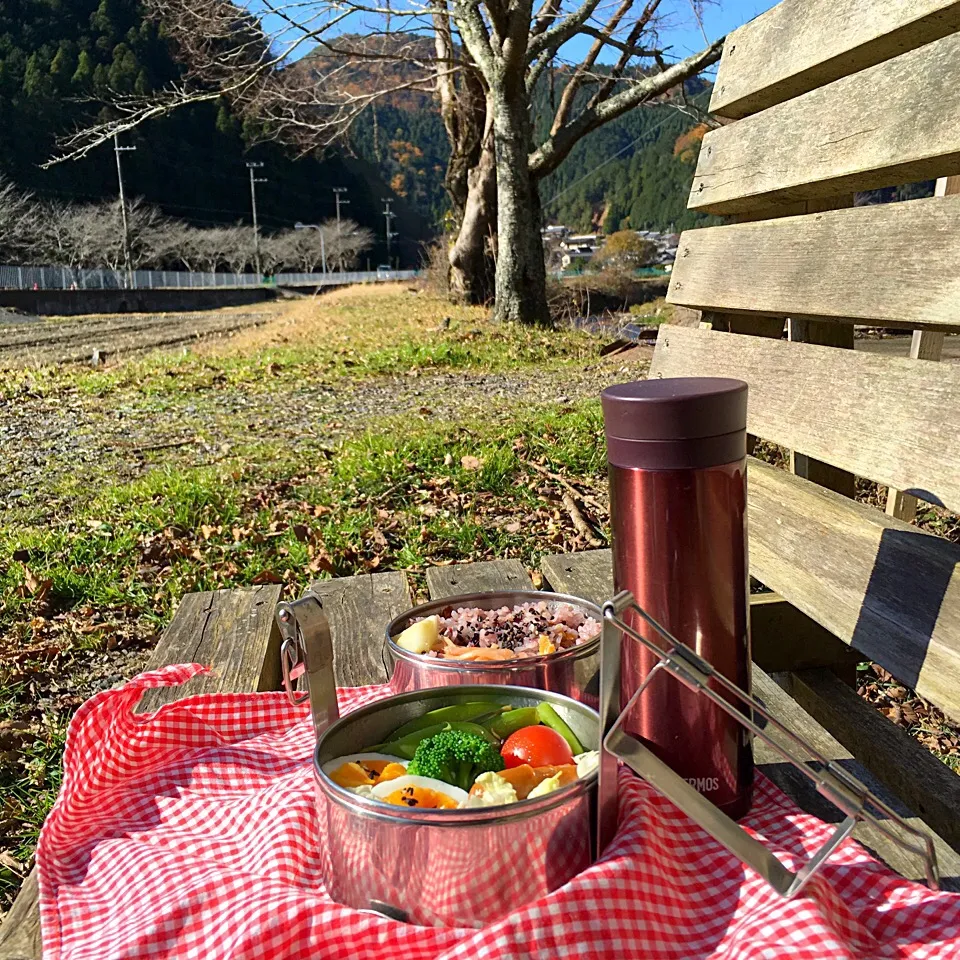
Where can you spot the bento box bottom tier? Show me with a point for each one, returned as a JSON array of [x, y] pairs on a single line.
[[463, 868]]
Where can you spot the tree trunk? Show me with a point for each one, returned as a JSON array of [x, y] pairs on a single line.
[[521, 287], [471, 257]]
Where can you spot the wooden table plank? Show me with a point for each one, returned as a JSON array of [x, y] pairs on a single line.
[[359, 609], [795, 785], [588, 574], [477, 577], [234, 632]]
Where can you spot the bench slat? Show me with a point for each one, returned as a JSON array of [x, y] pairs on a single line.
[[456, 578], [799, 45], [877, 264], [783, 637], [359, 609], [799, 789], [888, 589], [890, 419], [890, 124], [916, 776]]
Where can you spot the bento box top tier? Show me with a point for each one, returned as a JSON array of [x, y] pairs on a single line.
[[681, 423]]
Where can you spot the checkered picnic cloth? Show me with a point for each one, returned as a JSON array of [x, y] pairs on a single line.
[[192, 832]]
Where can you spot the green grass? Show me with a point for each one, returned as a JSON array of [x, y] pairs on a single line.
[[146, 543]]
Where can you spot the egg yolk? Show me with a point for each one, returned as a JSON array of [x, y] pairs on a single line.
[[366, 773], [421, 797]]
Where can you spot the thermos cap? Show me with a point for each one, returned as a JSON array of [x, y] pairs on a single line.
[[676, 423]]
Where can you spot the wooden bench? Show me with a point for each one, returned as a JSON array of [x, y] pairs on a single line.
[[828, 97], [360, 607]]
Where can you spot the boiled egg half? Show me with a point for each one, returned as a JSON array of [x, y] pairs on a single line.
[[425, 793], [360, 772]]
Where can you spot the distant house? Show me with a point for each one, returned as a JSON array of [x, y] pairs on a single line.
[[577, 256]]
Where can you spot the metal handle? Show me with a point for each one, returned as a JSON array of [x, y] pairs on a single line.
[[689, 668], [306, 658]]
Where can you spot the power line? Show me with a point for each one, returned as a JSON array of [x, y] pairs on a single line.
[[610, 159]]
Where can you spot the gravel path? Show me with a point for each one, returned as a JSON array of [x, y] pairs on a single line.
[[50, 440]]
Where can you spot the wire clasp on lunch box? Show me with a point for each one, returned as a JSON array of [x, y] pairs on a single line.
[[830, 780], [306, 658]]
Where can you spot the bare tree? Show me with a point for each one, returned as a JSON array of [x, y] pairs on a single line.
[[484, 64], [20, 218]]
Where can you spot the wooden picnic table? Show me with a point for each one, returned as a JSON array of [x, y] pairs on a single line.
[[234, 631]]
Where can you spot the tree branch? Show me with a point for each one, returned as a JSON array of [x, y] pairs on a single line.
[[554, 150]]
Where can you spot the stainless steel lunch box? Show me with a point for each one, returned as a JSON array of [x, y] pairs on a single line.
[[573, 672], [462, 868]]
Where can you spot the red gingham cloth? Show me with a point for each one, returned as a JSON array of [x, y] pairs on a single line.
[[191, 832]]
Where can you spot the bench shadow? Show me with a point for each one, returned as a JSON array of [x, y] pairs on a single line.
[[803, 793], [901, 605]]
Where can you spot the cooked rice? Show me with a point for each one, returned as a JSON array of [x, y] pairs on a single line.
[[526, 630]]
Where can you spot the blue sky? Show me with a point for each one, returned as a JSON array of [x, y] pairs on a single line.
[[718, 20], [682, 34]]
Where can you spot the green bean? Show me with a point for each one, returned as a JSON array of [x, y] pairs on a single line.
[[550, 718], [513, 720], [406, 747], [455, 713]]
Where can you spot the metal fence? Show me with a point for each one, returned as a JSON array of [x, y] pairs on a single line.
[[68, 278]]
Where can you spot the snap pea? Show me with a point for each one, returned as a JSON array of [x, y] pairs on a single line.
[[406, 747], [550, 718], [455, 713], [513, 720]]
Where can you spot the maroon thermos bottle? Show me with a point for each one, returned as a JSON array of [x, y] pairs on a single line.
[[677, 458]]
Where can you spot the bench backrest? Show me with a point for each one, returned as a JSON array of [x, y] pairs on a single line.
[[829, 97]]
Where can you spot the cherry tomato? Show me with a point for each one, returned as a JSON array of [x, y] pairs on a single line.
[[539, 746]]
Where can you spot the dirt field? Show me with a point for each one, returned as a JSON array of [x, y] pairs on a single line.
[[33, 343]]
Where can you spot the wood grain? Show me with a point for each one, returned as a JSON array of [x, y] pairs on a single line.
[[890, 419], [925, 784], [477, 577], [892, 123], [233, 632], [799, 45], [20, 929], [889, 265], [924, 345], [799, 788], [888, 589], [359, 610], [783, 637], [828, 335]]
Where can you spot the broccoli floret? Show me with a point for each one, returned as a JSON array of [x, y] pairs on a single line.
[[455, 757]]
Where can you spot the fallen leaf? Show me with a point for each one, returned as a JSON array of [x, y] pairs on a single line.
[[267, 576], [513, 527], [470, 462]]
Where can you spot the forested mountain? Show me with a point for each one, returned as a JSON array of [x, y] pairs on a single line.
[[58, 56], [633, 173]]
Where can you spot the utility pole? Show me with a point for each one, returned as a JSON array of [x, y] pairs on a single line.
[[254, 180], [117, 149], [388, 216], [337, 191]]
